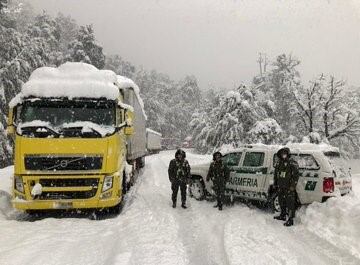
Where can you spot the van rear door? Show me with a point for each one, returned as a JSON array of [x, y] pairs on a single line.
[[310, 183]]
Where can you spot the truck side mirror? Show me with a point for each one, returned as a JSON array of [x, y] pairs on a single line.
[[10, 128], [129, 129]]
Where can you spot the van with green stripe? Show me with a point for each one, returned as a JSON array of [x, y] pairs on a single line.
[[323, 174]]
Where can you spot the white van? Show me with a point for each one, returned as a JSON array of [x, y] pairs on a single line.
[[323, 174]]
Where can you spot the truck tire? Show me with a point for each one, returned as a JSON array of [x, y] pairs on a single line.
[[116, 210], [197, 189], [123, 185]]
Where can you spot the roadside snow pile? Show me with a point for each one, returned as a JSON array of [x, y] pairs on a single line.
[[337, 221], [6, 208], [71, 80]]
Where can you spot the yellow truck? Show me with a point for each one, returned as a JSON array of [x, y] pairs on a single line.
[[72, 128]]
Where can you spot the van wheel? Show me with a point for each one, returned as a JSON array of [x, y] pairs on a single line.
[[275, 204], [197, 190]]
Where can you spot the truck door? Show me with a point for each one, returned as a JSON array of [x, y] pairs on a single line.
[[249, 179]]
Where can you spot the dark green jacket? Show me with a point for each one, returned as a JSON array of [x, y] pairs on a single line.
[[219, 173], [286, 174], [179, 170]]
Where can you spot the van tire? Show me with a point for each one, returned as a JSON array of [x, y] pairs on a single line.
[[197, 188], [274, 203]]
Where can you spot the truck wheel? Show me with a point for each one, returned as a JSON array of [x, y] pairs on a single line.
[[197, 190], [275, 205], [117, 208], [123, 185]]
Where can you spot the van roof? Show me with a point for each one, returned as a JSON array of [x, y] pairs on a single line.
[[294, 148]]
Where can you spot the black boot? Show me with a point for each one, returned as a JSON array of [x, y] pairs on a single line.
[[183, 205], [289, 222], [174, 205], [220, 207], [281, 217]]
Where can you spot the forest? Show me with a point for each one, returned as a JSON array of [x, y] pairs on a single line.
[[277, 107]]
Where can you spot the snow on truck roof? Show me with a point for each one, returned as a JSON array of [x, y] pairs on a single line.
[[73, 80]]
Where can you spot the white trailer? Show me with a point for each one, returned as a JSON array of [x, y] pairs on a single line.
[[153, 141], [136, 144]]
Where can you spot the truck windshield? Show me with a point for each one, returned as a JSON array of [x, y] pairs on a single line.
[[61, 114]]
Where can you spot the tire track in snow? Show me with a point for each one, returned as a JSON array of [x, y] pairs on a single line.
[[201, 229], [147, 227]]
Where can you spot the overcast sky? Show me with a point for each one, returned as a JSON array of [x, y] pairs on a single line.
[[219, 40]]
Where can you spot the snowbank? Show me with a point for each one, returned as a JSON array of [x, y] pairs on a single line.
[[71, 80], [336, 221], [5, 191]]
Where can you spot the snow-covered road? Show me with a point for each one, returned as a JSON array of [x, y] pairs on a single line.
[[149, 231]]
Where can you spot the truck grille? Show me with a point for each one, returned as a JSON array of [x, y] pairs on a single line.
[[63, 195], [86, 182], [68, 182], [55, 163]]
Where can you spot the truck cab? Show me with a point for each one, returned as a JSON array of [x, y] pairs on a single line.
[[71, 128]]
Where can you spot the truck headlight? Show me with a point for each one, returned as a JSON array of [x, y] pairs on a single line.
[[18, 184], [108, 183]]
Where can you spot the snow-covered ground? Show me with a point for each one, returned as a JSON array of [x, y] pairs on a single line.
[[149, 231]]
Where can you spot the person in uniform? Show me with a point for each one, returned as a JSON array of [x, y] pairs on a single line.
[[219, 174], [179, 175], [286, 177]]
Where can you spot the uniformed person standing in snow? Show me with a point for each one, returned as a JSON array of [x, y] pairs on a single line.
[[286, 177], [179, 175], [219, 174]]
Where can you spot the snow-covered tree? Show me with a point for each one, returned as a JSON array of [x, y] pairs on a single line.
[[120, 66], [85, 49], [307, 106], [234, 120], [275, 90], [266, 131], [68, 29]]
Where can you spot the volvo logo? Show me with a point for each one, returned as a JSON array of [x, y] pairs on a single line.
[[63, 163]]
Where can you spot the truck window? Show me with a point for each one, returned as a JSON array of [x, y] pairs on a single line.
[[305, 161], [232, 159], [254, 159]]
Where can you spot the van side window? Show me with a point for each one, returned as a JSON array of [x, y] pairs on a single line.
[[232, 159], [305, 161], [254, 159]]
